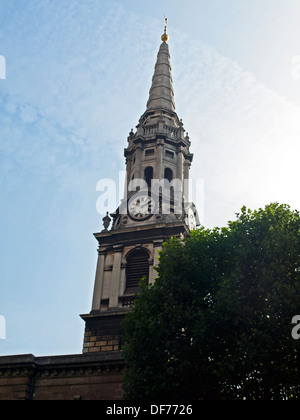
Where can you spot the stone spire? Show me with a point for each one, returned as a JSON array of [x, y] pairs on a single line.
[[161, 92]]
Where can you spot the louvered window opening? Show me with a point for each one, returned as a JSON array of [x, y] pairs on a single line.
[[137, 268]]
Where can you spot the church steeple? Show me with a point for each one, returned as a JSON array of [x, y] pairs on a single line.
[[159, 149], [155, 208], [161, 92]]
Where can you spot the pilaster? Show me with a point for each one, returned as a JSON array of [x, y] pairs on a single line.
[[99, 280], [116, 275]]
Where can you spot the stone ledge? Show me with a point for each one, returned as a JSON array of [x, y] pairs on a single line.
[[29, 360]]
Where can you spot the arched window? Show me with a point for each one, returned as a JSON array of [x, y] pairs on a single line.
[[168, 174], [137, 267], [169, 177], [148, 175]]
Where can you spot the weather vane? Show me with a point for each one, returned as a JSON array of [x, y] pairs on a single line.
[[165, 36]]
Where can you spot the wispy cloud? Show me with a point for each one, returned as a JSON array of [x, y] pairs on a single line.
[[245, 136], [73, 86]]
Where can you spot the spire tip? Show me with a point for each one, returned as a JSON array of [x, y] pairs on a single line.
[[165, 36]]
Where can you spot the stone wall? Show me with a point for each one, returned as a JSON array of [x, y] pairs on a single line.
[[96, 376], [103, 332]]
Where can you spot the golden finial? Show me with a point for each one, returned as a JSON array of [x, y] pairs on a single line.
[[165, 36]]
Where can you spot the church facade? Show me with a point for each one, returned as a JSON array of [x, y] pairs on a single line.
[[155, 207]]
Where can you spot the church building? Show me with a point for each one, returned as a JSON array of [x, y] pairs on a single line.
[[155, 207]]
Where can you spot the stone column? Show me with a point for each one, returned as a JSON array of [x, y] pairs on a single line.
[[96, 306], [128, 175], [116, 276], [123, 278], [138, 162], [180, 163], [160, 153]]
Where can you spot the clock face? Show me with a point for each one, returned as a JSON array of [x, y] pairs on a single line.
[[141, 207]]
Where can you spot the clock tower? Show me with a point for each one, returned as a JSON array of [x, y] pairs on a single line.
[[155, 207]]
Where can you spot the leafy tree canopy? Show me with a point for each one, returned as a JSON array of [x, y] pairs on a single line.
[[217, 322]]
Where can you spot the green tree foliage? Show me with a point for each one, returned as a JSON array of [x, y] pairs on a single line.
[[217, 322]]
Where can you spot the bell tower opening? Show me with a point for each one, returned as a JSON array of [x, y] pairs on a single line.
[[148, 175], [168, 174], [137, 268]]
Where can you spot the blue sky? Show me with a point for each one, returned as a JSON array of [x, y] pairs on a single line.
[[78, 75]]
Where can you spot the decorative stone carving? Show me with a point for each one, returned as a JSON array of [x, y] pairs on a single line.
[[106, 222]]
